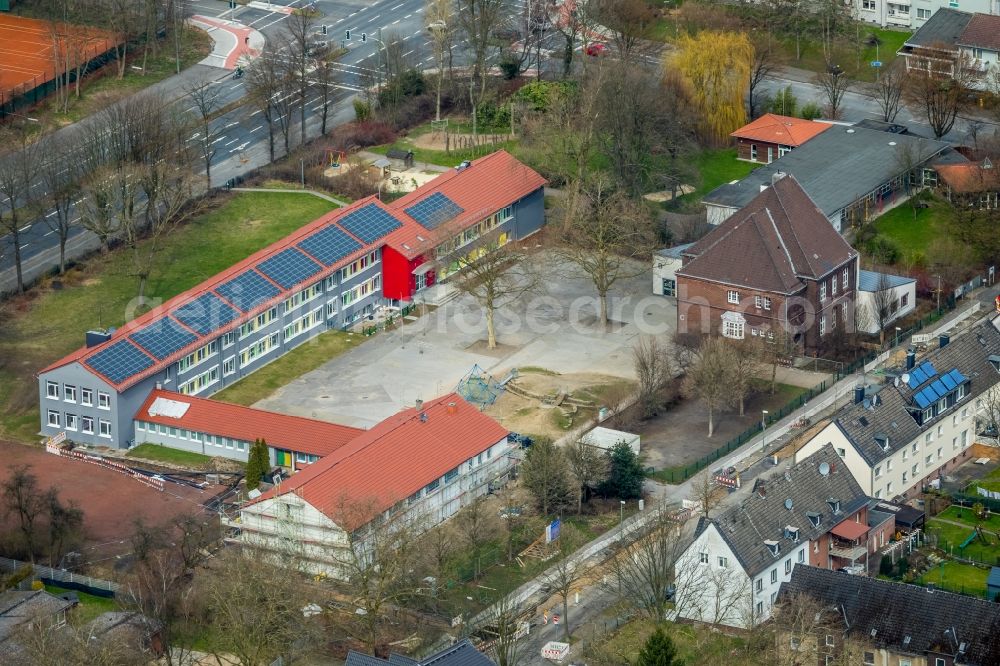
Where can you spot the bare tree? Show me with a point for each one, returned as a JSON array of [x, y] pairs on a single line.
[[24, 499], [709, 378], [124, 20], [765, 61], [707, 493], [325, 81], [477, 526], [745, 368], [98, 205], [439, 25], [988, 416], [609, 239], [45, 642], [477, 20], [504, 622], [301, 25], [64, 525], [628, 21], [589, 467], [940, 97], [567, 569], [495, 272], [651, 361], [263, 87], [882, 307], [159, 587], [887, 91], [18, 171], [62, 187], [204, 95], [834, 83]]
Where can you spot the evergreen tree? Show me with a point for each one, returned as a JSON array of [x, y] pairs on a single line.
[[658, 651], [257, 463], [625, 478]]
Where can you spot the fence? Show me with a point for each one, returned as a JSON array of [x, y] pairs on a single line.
[[63, 578], [154, 483], [682, 473]]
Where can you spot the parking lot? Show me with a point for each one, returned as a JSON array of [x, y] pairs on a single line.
[[555, 329]]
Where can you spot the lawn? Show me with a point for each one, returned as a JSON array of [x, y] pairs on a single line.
[[50, 321], [90, 605], [912, 235], [957, 577], [440, 157], [950, 537], [965, 515], [696, 645], [715, 167], [160, 453], [284, 369]]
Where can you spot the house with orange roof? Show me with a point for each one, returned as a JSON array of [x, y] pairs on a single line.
[[771, 136], [970, 185], [331, 273], [416, 468]]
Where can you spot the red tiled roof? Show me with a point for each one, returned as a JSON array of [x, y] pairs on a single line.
[[784, 130], [294, 433], [983, 31], [770, 244], [849, 529], [490, 183], [969, 178], [393, 460]]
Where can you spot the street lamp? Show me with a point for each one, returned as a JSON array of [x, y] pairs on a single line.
[[621, 518], [898, 329], [763, 430]]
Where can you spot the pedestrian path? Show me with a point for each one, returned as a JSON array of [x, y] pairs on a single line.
[[232, 42]]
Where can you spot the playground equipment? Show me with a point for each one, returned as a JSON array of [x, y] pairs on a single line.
[[479, 387], [335, 158]]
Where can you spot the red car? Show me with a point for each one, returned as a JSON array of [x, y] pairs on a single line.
[[597, 49]]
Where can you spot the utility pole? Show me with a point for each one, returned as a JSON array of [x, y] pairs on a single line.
[[938, 292]]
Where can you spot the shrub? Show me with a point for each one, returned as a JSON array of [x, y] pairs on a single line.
[[510, 66], [784, 102], [882, 250], [490, 117], [539, 95], [362, 110], [811, 111]]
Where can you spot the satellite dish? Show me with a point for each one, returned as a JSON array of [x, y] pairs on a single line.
[[788, 503], [824, 469], [906, 378]]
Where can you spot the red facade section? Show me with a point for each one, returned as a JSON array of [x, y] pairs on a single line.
[[398, 281]]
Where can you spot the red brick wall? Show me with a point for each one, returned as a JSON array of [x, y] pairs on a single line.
[[743, 150]]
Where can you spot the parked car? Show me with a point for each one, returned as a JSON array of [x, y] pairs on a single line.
[[597, 49]]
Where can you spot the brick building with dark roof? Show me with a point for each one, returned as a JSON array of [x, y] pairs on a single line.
[[892, 623], [771, 136], [331, 273], [776, 265], [462, 653]]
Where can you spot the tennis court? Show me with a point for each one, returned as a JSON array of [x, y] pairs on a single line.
[[29, 49]]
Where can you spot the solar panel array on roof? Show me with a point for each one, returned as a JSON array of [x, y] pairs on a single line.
[[119, 361], [938, 388], [163, 337], [289, 267], [247, 290], [329, 245], [431, 211], [921, 374], [369, 223], [205, 314]]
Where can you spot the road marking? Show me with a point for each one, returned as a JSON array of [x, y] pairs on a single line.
[[397, 6], [407, 16], [230, 142], [255, 113], [25, 245], [408, 52], [395, 22], [49, 233], [25, 228], [259, 127]]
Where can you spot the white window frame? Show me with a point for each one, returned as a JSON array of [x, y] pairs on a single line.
[[822, 291], [103, 400], [53, 418], [733, 296], [72, 421], [86, 397], [723, 562], [703, 558], [87, 424], [758, 302], [733, 330], [69, 393], [52, 390], [229, 366], [767, 302], [102, 425]]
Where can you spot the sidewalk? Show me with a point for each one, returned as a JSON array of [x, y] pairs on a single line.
[[232, 42]]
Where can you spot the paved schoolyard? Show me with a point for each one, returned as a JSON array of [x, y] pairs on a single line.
[[555, 329]]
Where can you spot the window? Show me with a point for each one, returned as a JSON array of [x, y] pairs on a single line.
[[103, 400], [53, 418], [228, 339], [868, 5], [86, 397], [703, 558], [451, 476], [878, 494], [924, 13], [965, 438], [69, 393], [331, 309], [87, 424], [760, 608], [829, 640], [304, 296], [878, 471], [794, 642], [939, 453], [229, 366], [360, 291], [906, 662], [52, 390], [199, 355], [432, 486], [841, 452], [822, 324], [767, 302], [846, 276], [201, 382], [833, 285], [903, 300], [303, 324], [105, 428], [262, 320], [938, 661], [71, 421], [915, 470], [788, 566], [888, 489], [904, 477], [822, 292], [774, 575], [802, 556], [733, 296], [753, 151], [977, 54], [723, 562], [361, 264], [732, 329], [255, 351], [760, 584], [758, 302], [928, 459]]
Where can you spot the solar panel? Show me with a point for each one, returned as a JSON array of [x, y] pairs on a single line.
[[329, 245], [119, 361], [205, 314], [247, 290], [163, 337], [921, 400], [928, 368], [949, 381], [917, 377], [931, 391], [957, 376], [433, 210], [939, 388], [369, 223], [289, 267]]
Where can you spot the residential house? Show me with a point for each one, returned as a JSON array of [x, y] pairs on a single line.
[[914, 14], [416, 468], [852, 174], [134, 630], [812, 512], [882, 298], [462, 653], [330, 274], [953, 41], [32, 610], [665, 265], [771, 136], [221, 429], [889, 623], [776, 265], [971, 185], [900, 436]]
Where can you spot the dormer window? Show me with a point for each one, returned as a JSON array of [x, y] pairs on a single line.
[[834, 504], [882, 440], [774, 547], [792, 533], [814, 518]]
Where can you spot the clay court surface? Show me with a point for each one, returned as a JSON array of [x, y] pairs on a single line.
[[26, 51], [110, 501]]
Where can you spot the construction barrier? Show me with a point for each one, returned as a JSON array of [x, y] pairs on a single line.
[[156, 484]]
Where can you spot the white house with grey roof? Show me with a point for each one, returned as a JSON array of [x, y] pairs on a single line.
[[952, 40], [731, 572], [892, 296], [900, 436], [852, 174]]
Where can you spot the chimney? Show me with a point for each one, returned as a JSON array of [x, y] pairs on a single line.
[[761, 490], [859, 394], [911, 358], [423, 417], [419, 404], [776, 176], [452, 408], [94, 338], [943, 340]]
